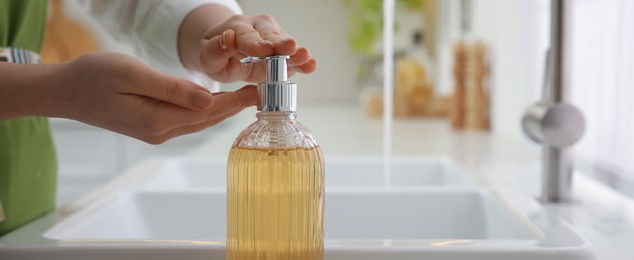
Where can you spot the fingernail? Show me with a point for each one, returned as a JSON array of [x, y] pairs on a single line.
[[265, 42], [289, 40], [202, 99], [223, 40]]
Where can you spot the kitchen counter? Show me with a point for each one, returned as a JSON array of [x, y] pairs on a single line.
[[603, 216]]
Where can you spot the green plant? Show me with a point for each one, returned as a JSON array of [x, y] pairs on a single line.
[[365, 22]]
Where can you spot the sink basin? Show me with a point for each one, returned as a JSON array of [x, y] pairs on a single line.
[[433, 224], [427, 208], [341, 171], [373, 215]]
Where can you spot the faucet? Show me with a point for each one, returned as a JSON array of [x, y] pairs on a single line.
[[552, 121]]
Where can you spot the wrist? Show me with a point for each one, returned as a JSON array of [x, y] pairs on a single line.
[[48, 95], [27, 90]]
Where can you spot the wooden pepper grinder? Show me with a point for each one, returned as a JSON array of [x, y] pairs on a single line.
[[476, 97]]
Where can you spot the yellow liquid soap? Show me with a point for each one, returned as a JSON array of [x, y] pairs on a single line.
[[275, 201]]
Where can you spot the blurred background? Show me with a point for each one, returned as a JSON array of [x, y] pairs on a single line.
[[465, 67]]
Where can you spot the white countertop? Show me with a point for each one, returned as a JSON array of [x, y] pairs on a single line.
[[603, 216]]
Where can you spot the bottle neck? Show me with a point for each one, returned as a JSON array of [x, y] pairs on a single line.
[[276, 115]]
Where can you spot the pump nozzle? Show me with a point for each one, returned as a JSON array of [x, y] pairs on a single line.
[[276, 92], [276, 68]]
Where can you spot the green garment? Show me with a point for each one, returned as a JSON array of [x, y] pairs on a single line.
[[28, 165]]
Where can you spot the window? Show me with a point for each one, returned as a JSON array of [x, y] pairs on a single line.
[[602, 81]]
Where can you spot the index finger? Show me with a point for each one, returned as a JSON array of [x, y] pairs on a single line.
[[167, 116], [271, 31], [250, 42], [199, 127], [228, 102]]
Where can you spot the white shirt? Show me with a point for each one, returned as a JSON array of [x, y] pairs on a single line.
[[151, 26]]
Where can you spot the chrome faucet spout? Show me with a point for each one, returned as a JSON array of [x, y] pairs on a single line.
[[552, 121]]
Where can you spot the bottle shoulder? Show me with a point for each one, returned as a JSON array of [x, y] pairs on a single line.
[[277, 134]]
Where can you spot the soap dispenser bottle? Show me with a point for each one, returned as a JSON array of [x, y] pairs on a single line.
[[275, 178]]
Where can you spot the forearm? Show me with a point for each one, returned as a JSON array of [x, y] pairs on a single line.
[[29, 90], [192, 29]]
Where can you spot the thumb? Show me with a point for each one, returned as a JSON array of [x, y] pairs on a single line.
[[217, 50]]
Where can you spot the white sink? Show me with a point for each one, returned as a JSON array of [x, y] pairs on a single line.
[[398, 224], [368, 215], [351, 171], [175, 209]]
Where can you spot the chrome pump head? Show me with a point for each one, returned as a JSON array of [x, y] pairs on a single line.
[[276, 93]]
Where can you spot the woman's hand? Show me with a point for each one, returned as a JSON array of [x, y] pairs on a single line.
[[224, 45], [119, 93], [229, 38]]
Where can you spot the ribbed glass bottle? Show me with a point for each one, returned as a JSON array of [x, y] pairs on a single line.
[[275, 191]]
